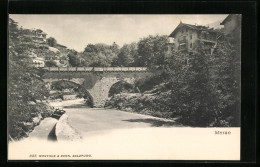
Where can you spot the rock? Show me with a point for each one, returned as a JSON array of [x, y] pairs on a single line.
[[37, 120], [28, 125], [64, 131], [69, 97], [31, 103], [128, 109]]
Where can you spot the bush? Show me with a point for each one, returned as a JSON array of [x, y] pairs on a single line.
[[62, 85], [51, 63], [148, 83]]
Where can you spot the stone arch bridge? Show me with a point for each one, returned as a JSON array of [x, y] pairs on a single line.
[[96, 80]]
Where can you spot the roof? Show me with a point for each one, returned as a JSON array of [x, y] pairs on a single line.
[[37, 30], [228, 18], [43, 33], [194, 27], [39, 58]]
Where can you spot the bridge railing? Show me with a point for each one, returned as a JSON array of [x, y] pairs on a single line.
[[89, 69]]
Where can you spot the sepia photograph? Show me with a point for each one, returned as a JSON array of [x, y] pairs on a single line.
[[124, 86]]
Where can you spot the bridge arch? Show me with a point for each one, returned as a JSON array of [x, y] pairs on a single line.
[[101, 89], [76, 86], [119, 87]]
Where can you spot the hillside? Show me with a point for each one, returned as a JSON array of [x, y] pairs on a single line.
[[34, 44]]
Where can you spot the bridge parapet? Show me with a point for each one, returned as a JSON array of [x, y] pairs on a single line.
[[96, 69]]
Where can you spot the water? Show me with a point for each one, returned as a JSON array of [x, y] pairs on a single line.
[[113, 134]]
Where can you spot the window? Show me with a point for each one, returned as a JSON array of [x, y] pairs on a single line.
[[190, 45], [190, 36], [182, 31], [186, 30]]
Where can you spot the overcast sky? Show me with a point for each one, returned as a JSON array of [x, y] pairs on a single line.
[[76, 31]]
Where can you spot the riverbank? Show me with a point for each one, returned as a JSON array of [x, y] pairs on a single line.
[[157, 105]]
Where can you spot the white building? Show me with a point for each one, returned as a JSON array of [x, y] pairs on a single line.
[[38, 62]]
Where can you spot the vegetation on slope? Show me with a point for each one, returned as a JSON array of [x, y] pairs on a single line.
[[26, 90], [200, 89]]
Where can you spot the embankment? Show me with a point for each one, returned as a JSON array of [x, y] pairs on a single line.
[[64, 130], [157, 105]]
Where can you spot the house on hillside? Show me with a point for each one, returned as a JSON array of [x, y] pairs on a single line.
[[232, 26], [186, 37], [38, 62], [36, 35]]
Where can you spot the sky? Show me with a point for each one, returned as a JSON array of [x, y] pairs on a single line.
[[77, 31]]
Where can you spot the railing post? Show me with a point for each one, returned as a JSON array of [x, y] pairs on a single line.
[[135, 69], [85, 69], [59, 73]]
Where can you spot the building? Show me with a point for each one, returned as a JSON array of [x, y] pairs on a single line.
[[36, 35], [170, 46], [232, 24], [38, 62], [186, 37]]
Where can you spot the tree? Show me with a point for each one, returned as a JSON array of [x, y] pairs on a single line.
[[13, 29], [24, 86], [98, 55], [126, 55], [151, 51], [51, 41], [205, 89], [74, 60], [226, 70], [192, 94]]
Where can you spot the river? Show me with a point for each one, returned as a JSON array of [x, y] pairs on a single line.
[[114, 134]]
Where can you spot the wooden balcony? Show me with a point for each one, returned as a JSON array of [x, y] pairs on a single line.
[[181, 41]]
